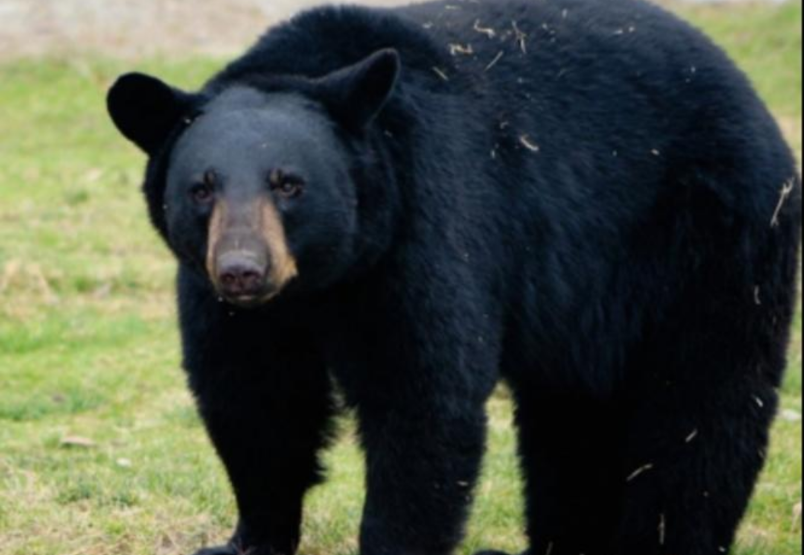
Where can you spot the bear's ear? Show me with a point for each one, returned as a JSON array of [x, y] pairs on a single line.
[[145, 109], [355, 95]]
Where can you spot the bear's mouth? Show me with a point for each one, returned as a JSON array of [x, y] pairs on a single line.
[[250, 301]]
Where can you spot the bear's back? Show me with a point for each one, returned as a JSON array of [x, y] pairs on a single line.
[[601, 92]]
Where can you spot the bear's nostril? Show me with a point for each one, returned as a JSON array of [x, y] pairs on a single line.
[[241, 279], [251, 279]]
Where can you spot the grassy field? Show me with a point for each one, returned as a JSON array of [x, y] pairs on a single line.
[[100, 449]]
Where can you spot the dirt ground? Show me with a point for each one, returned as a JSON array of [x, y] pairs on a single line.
[[129, 28], [133, 28]]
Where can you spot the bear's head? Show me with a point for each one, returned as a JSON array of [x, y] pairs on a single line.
[[256, 188]]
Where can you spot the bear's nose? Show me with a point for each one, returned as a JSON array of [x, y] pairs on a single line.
[[240, 277]]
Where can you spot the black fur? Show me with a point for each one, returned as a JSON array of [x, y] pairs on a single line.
[[578, 199]]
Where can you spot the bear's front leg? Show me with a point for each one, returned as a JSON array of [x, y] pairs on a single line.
[[429, 362], [265, 399], [423, 457], [267, 420]]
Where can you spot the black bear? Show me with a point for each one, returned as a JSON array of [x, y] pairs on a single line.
[[585, 199]]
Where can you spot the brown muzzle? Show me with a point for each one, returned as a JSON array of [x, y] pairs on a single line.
[[248, 258]]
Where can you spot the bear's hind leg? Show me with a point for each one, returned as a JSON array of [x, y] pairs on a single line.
[[691, 469], [700, 421]]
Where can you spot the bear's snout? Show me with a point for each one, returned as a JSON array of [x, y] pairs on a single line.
[[248, 259], [241, 277]]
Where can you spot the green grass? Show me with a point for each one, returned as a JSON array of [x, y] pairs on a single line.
[[88, 345], [766, 41]]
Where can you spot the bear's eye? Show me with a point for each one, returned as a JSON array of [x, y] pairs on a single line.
[[286, 186], [202, 193]]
